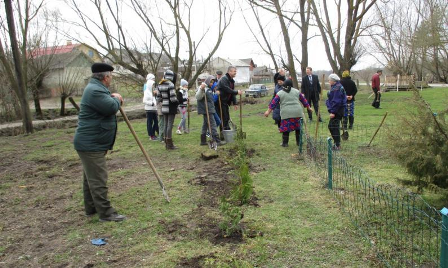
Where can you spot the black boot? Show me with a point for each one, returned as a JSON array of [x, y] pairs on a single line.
[[203, 139], [351, 120], [298, 137], [285, 138], [344, 123], [169, 144]]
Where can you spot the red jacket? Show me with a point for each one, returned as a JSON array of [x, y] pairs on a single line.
[[376, 81]]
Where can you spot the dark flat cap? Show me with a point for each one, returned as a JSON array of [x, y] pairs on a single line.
[[100, 67], [219, 72]]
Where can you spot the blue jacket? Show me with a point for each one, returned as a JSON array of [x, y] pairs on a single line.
[[337, 99], [97, 122]]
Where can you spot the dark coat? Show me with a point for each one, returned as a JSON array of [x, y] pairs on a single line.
[[201, 101], [97, 123], [181, 98], [276, 111], [337, 99], [227, 92], [310, 90], [350, 87]]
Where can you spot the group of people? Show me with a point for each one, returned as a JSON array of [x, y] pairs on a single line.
[[97, 122], [214, 97], [162, 103], [286, 104]]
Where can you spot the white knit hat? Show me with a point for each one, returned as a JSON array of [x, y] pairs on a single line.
[[334, 77]]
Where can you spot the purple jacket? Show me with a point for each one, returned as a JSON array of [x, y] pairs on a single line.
[[337, 99]]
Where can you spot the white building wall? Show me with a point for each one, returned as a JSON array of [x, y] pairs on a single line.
[[242, 75]]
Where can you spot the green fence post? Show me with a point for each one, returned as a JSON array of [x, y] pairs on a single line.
[[444, 240], [330, 165], [300, 136]]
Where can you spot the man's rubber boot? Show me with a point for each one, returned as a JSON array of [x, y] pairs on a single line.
[[203, 139]]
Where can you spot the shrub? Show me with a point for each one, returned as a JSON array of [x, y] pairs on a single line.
[[420, 143]]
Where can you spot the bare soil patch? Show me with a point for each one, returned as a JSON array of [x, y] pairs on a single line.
[[40, 201]]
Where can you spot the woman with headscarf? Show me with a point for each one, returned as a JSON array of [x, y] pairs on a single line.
[[291, 110], [336, 103], [278, 86], [152, 124], [350, 91]]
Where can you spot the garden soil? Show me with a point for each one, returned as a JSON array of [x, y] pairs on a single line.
[[42, 207]]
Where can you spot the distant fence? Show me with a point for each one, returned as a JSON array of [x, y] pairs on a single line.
[[403, 82], [262, 80], [403, 229]]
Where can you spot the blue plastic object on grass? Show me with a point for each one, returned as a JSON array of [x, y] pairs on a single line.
[[99, 241]]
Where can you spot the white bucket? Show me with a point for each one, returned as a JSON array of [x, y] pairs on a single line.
[[228, 135]]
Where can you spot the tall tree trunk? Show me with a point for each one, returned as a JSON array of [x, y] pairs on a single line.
[[63, 98], [291, 67], [20, 90], [304, 22], [36, 99]]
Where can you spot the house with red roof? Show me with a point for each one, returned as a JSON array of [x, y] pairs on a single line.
[[69, 61]]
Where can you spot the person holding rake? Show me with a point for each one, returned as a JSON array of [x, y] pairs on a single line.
[[205, 94]]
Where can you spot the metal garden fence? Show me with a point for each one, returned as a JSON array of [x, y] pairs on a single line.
[[403, 229]]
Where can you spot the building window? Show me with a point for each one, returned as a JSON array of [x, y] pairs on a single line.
[[91, 53]]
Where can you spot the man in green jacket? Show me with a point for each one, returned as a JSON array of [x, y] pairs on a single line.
[[95, 135]]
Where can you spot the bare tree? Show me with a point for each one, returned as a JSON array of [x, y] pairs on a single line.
[[265, 44], [393, 38], [432, 38], [120, 47], [39, 56], [18, 81], [304, 11], [167, 31], [69, 81], [412, 37], [275, 7], [168, 36], [342, 47]]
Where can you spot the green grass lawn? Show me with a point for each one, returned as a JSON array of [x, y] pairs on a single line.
[[296, 222]]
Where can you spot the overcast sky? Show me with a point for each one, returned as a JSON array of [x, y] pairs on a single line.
[[238, 41]]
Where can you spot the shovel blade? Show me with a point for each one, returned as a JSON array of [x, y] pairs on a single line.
[[213, 145]]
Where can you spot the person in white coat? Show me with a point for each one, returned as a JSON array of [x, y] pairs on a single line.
[[152, 124]]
